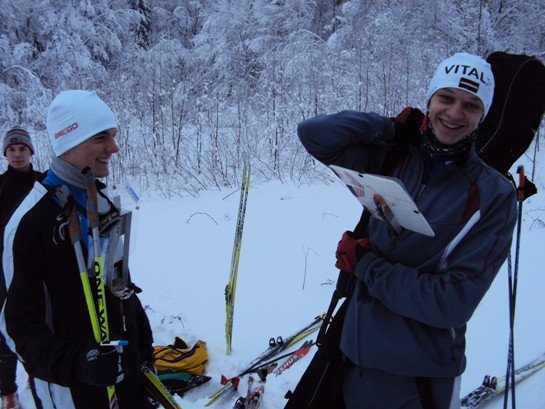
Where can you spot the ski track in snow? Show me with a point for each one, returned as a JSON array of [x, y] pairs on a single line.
[[181, 254]]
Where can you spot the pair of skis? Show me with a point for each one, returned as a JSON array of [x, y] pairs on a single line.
[[265, 359], [493, 387], [231, 286]]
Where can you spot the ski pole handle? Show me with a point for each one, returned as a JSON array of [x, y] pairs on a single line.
[[520, 188], [92, 205]]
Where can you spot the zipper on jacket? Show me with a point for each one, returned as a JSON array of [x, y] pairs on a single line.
[[395, 237], [419, 194], [393, 242], [123, 319]]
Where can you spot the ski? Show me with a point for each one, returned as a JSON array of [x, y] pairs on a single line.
[[241, 401], [230, 288], [157, 390], [228, 385], [252, 398], [275, 347], [293, 358], [492, 386], [263, 369]]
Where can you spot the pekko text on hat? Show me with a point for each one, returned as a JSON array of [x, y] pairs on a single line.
[[75, 116], [17, 136], [467, 72]]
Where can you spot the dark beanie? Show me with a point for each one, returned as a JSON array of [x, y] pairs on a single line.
[[15, 136]]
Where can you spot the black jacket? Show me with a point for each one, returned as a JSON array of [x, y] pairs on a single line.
[[14, 185], [46, 316]]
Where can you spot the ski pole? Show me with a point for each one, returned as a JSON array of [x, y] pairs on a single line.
[[62, 194], [92, 216], [513, 281]]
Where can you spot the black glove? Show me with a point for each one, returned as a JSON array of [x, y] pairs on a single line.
[[100, 365], [407, 126]]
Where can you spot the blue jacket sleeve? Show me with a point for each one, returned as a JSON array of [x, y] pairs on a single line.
[[350, 139]]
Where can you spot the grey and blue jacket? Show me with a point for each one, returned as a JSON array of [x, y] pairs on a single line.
[[415, 294]]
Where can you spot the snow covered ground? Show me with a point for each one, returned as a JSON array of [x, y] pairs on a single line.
[[181, 257]]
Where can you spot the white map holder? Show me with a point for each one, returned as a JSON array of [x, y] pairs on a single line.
[[386, 199]]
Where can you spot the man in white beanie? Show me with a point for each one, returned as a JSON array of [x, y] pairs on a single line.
[[50, 310], [403, 337]]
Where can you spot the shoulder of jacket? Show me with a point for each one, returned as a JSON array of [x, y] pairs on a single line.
[[491, 180], [39, 176]]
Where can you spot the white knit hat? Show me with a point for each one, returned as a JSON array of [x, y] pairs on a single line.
[[75, 116], [467, 72]]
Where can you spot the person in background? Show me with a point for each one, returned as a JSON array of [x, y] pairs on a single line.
[[48, 310], [19, 177], [403, 337], [15, 183]]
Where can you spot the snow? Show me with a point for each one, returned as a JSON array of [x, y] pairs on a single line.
[[181, 255]]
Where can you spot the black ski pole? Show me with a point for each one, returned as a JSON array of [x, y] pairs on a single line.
[[513, 281]]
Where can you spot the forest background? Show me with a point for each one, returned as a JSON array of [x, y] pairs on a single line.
[[197, 86]]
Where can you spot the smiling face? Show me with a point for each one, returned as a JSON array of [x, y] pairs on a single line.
[[454, 113], [95, 153], [18, 156]]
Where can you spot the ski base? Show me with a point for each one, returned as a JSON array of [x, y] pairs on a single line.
[[492, 386]]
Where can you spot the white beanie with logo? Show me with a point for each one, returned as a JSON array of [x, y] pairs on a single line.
[[467, 72], [75, 116]]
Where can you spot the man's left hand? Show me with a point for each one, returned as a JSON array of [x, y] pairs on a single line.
[[350, 250]]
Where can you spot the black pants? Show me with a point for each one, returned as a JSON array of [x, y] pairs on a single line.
[[373, 389], [8, 368]]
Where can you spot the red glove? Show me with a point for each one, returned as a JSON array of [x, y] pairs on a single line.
[[349, 251]]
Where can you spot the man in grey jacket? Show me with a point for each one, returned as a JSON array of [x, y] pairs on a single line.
[[404, 331]]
